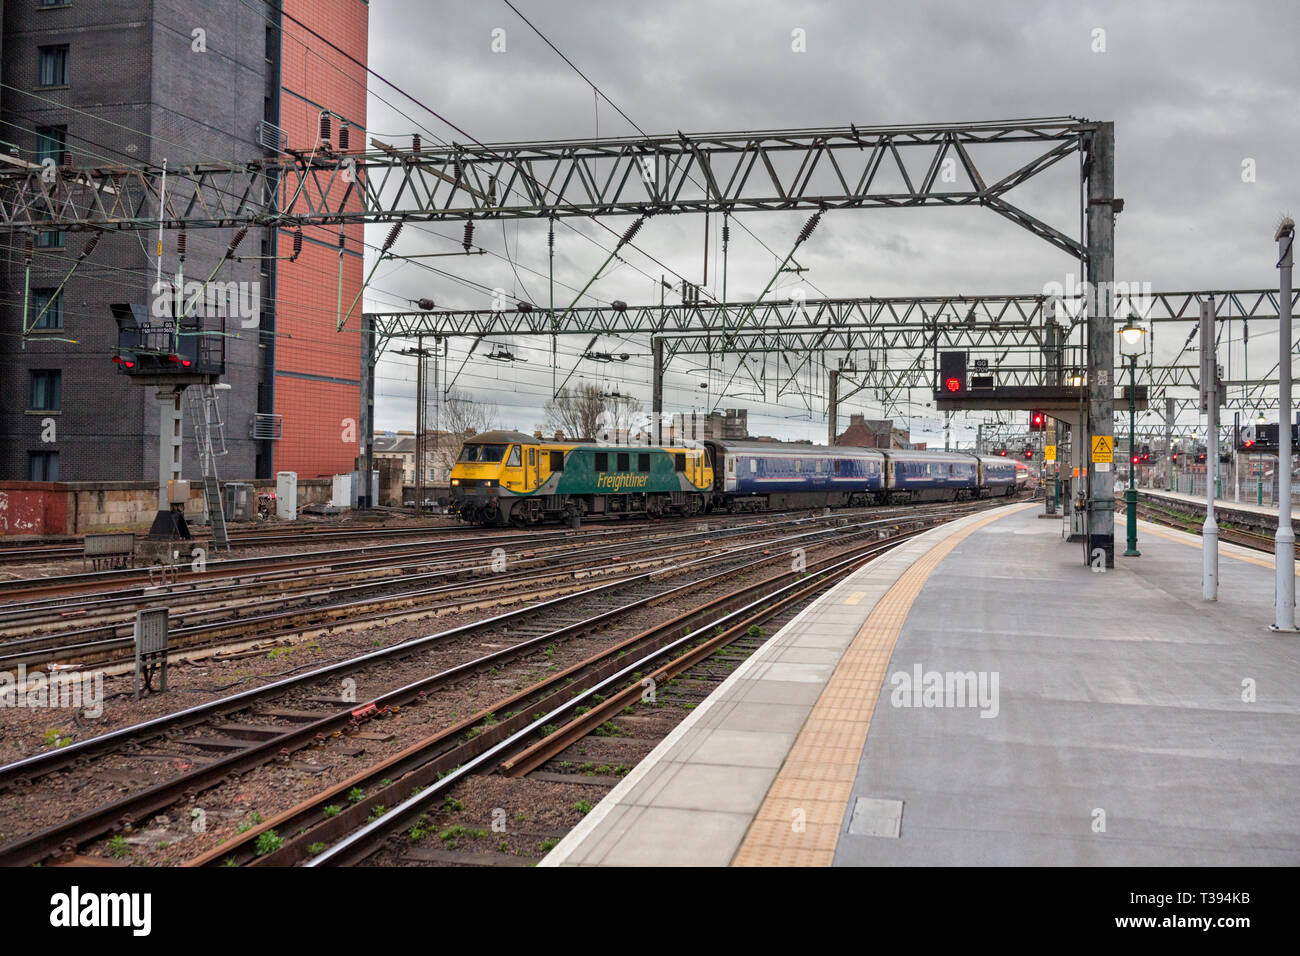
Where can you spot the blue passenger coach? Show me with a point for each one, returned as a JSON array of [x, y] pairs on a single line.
[[930, 476], [759, 476]]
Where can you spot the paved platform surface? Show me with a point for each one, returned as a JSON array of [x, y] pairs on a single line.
[[1129, 722]]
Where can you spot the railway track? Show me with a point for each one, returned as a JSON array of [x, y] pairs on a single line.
[[73, 547], [330, 599], [606, 685], [282, 718], [1192, 525]]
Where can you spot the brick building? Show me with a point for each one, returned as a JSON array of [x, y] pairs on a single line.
[[137, 83], [873, 433]]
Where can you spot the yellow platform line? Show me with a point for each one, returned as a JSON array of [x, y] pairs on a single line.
[[799, 821]]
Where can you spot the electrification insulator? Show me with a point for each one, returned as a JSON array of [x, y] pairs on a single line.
[[392, 235], [236, 239], [180, 244], [726, 233], [457, 170], [415, 142], [325, 127], [27, 246], [550, 235], [425, 304], [808, 227], [67, 160], [343, 137], [632, 230], [297, 242], [468, 241], [117, 180], [343, 239], [91, 243]]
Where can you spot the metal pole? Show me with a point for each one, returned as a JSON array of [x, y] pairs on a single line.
[[1131, 496], [1284, 542], [419, 424], [1209, 387], [1100, 516], [832, 406], [657, 390]]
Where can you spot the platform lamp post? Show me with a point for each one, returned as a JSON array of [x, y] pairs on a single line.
[[1132, 343]]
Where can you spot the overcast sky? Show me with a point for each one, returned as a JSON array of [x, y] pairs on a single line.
[[1195, 90]]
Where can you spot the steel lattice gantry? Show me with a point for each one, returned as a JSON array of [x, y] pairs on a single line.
[[839, 167], [957, 164], [1019, 325]]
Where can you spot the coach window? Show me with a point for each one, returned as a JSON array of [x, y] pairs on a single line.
[[532, 457], [837, 466], [753, 466], [643, 462], [624, 461], [602, 461], [557, 461], [679, 462], [513, 461]]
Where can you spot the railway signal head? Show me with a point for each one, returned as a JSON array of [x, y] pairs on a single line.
[[952, 372], [1029, 452], [1037, 421]]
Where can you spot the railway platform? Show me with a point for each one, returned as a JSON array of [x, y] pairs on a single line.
[[1267, 512], [979, 696]]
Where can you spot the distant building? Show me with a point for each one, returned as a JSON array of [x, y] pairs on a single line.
[[731, 425], [400, 447], [440, 450], [864, 432]]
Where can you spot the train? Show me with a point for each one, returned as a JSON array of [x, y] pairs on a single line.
[[503, 478]]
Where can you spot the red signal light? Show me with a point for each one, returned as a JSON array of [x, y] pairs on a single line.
[[1136, 459], [952, 384], [1003, 453]]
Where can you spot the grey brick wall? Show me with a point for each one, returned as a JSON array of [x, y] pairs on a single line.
[[133, 68]]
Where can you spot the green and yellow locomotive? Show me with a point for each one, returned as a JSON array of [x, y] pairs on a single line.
[[509, 478]]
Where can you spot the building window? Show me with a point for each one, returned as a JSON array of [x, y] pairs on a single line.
[[51, 143], [47, 390], [54, 3], [48, 304], [52, 65], [49, 239], [42, 466]]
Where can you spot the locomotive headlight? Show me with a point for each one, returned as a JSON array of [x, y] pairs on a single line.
[[455, 481]]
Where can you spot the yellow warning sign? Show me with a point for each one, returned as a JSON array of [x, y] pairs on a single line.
[[1049, 453], [1103, 449]]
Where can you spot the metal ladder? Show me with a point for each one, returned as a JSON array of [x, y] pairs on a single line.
[[210, 442]]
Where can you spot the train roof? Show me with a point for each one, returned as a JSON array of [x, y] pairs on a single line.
[[995, 458], [925, 454], [791, 447], [499, 437]]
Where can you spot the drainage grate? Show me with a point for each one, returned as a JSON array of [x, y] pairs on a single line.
[[876, 817]]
